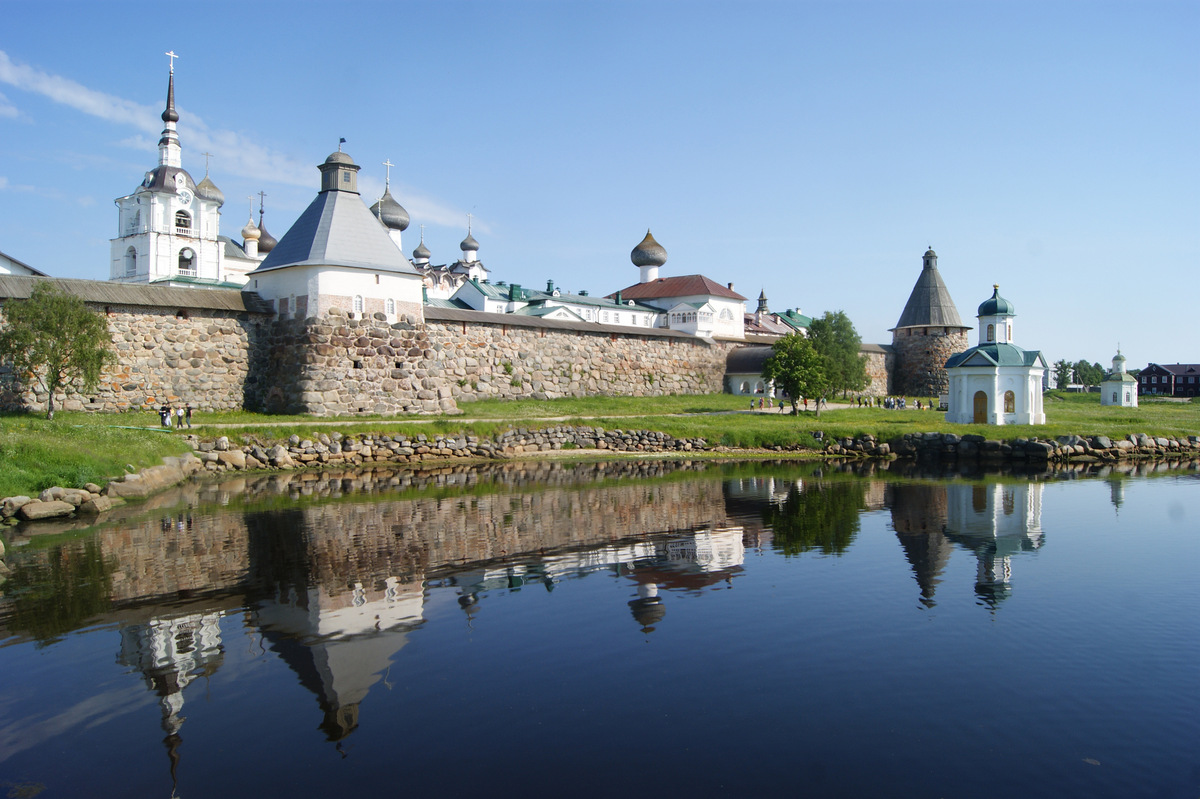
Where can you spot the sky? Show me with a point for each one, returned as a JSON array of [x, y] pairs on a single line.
[[809, 150]]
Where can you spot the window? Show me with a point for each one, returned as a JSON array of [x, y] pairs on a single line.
[[187, 262], [130, 262], [745, 386], [345, 177], [1114, 399], [1010, 402], [358, 303], [991, 333], [391, 307], [183, 222], [1154, 378], [283, 305]]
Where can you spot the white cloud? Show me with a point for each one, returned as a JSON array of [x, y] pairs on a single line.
[[81, 98], [8, 110], [235, 152]]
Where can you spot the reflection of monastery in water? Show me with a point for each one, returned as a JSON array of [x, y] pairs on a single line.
[[994, 520], [674, 561], [335, 589]]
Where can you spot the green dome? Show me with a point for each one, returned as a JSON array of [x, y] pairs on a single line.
[[996, 305]]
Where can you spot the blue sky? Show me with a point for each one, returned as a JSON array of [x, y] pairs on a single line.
[[809, 149]]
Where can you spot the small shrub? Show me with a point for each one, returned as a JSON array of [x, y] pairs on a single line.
[[508, 367], [515, 382]]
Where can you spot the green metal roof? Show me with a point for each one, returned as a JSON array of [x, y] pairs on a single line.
[[996, 355]]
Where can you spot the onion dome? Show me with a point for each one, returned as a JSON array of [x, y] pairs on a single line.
[[266, 242], [469, 244], [648, 253], [422, 252], [208, 190], [997, 305], [390, 213], [251, 232]]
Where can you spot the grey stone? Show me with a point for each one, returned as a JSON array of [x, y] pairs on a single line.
[[32, 511]]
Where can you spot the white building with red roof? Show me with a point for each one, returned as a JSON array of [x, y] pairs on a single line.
[[691, 303]]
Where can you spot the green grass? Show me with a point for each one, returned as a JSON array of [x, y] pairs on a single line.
[[77, 447], [74, 449]]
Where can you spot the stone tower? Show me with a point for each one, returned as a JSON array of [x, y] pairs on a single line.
[[929, 331]]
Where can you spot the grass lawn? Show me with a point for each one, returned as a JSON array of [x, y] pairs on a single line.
[[77, 447]]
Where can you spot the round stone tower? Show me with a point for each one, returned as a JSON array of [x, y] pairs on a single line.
[[929, 331]]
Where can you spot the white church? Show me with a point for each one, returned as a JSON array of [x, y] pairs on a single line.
[[996, 382], [169, 227]]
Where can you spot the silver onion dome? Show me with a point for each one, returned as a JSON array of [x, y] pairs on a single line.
[[390, 212], [208, 190], [648, 253]]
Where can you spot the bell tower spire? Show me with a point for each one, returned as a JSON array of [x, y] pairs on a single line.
[[169, 151]]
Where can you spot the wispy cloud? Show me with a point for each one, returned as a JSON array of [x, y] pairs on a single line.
[[8, 110], [233, 152]]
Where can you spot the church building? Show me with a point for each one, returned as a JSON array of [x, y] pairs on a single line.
[[1119, 387], [691, 303], [169, 227], [996, 382]]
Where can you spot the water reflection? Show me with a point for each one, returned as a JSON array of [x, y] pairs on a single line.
[[995, 521], [337, 581]]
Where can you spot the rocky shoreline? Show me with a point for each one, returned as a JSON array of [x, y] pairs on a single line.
[[337, 450]]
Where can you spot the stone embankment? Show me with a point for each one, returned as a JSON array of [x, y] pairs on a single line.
[[949, 446], [330, 450], [92, 500]]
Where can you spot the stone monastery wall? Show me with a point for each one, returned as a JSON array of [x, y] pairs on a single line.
[[543, 359], [164, 355]]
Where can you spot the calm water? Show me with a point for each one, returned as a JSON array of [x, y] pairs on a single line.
[[593, 630]]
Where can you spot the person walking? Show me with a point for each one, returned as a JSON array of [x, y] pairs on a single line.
[[188, 415], [179, 417]]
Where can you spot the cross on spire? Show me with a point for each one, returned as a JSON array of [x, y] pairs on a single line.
[[172, 56], [206, 157], [261, 197], [468, 224], [250, 197], [387, 181]]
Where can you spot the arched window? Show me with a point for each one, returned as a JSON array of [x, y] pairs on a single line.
[[745, 386], [187, 261], [1010, 402], [130, 262], [183, 222], [135, 224], [391, 307], [358, 303], [1008, 336], [991, 333]]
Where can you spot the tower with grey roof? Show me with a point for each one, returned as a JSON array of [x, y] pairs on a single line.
[[339, 255], [928, 333]]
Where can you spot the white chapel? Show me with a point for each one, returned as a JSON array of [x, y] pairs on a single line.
[[1119, 387], [996, 382]]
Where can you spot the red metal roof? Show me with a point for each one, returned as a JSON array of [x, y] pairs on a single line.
[[682, 286]]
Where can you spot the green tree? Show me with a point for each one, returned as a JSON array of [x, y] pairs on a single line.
[[54, 342], [1062, 374], [1087, 374], [834, 337], [823, 516], [796, 366]]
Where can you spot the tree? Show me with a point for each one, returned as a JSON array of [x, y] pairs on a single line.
[[795, 365], [834, 337], [1062, 374], [1087, 374], [54, 342]]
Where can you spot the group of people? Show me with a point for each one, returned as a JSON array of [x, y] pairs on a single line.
[[175, 417]]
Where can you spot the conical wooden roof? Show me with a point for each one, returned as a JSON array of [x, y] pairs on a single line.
[[930, 305]]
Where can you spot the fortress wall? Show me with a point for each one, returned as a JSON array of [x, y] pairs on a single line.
[[201, 356], [506, 360]]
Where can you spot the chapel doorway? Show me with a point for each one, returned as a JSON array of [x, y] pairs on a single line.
[[980, 407]]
